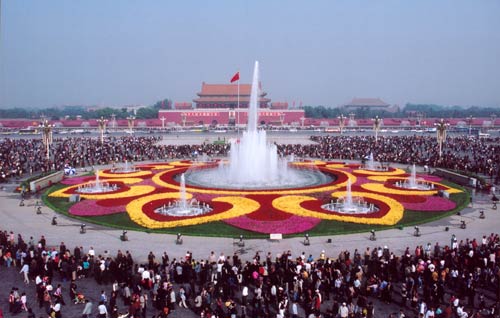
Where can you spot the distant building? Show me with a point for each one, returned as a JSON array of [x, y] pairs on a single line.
[[279, 105], [217, 104], [226, 96], [367, 103], [183, 105]]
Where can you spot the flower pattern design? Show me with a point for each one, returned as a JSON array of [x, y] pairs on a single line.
[[286, 211]]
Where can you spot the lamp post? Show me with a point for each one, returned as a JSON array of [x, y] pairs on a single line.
[[47, 136], [113, 121], [420, 116], [493, 118], [341, 123], [162, 122], [351, 120], [376, 126], [183, 118], [282, 118], [441, 127], [130, 121], [102, 126], [470, 119], [302, 120]]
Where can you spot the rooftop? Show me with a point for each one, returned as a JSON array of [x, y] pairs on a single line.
[[367, 102], [226, 89]]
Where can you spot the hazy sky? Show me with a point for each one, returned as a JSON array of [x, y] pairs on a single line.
[[118, 52]]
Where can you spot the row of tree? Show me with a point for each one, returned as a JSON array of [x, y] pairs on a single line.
[[71, 112], [409, 110]]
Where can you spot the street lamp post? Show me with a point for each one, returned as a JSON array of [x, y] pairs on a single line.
[[341, 123], [282, 118], [113, 121], [183, 118], [47, 136], [302, 120], [351, 120], [420, 116], [470, 119], [162, 122], [441, 127], [130, 121], [493, 118], [376, 126], [102, 126]]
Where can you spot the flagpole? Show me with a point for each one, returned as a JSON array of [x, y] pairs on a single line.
[[238, 108]]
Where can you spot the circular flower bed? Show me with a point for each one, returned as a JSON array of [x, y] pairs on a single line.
[[285, 211]]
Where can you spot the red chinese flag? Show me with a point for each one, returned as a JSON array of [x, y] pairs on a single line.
[[236, 77]]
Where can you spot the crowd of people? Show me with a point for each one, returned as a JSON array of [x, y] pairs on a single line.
[[28, 156], [459, 278], [479, 156]]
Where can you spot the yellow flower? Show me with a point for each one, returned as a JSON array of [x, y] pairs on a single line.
[[336, 165], [240, 206], [382, 188], [394, 172], [127, 180], [180, 164], [141, 173], [291, 204], [156, 166], [132, 192], [309, 163]]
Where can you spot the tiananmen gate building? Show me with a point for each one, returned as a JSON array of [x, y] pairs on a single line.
[[217, 104]]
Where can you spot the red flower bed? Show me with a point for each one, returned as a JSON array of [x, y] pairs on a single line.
[[267, 212], [407, 198]]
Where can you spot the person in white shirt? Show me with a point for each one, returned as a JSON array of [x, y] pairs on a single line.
[[343, 311], [461, 313], [295, 310], [57, 308], [430, 313], [25, 270], [102, 310], [87, 311], [244, 295]]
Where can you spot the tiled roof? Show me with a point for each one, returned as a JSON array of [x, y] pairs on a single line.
[[225, 89], [226, 99], [367, 102]]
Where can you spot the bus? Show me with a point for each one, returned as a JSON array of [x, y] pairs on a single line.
[[28, 131]]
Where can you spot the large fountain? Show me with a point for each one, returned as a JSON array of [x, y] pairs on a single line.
[[96, 186], [183, 206], [413, 183], [349, 204], [253, 162]]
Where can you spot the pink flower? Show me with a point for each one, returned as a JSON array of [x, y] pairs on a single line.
[[293, 224], [431, 204], [91, 208]]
